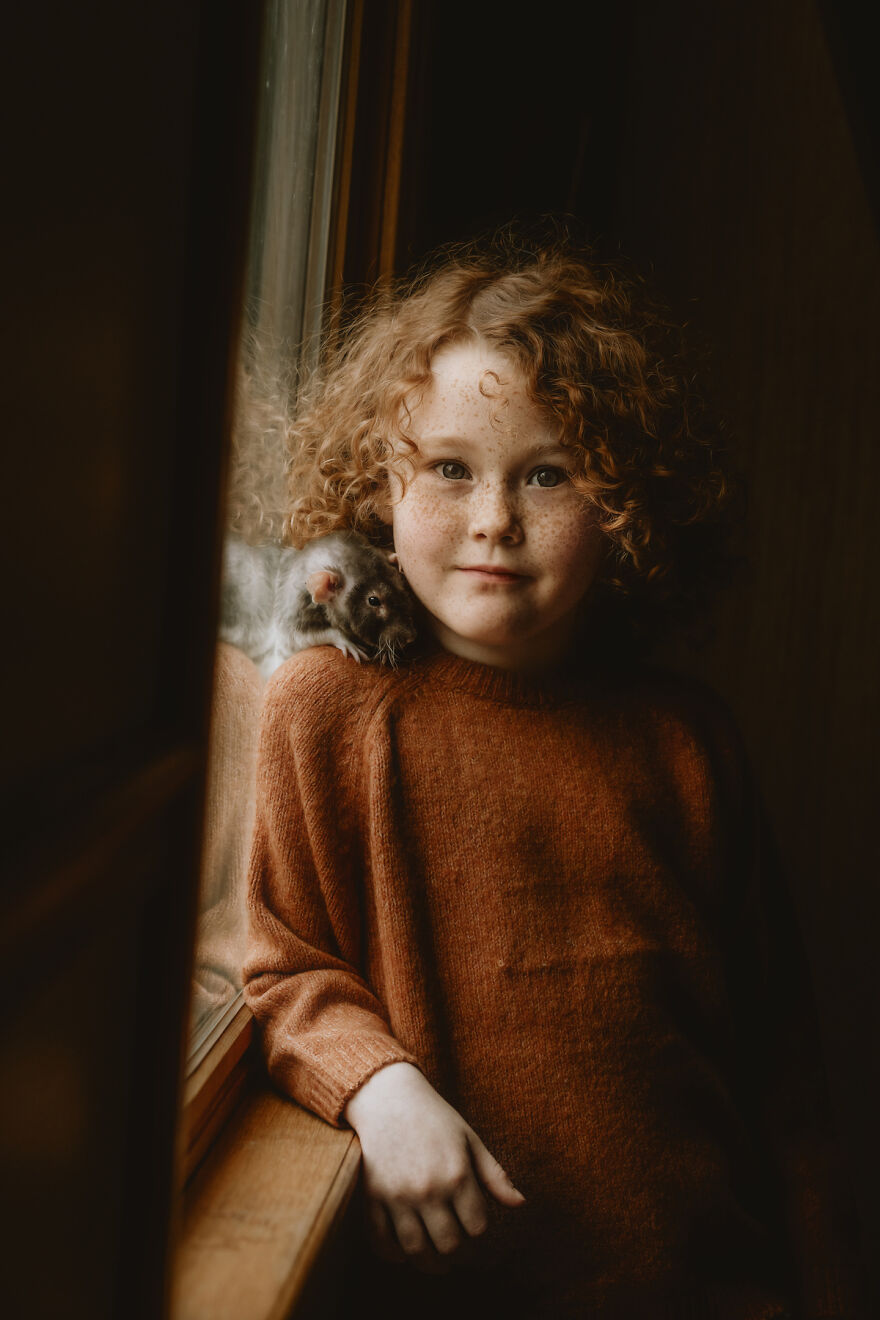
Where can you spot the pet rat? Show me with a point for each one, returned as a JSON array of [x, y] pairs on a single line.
[[339, 590]]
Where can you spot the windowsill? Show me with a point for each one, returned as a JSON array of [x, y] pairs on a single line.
[[266, 1198], [204, 1037]]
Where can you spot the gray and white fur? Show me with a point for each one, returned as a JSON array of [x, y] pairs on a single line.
[[339, 590]]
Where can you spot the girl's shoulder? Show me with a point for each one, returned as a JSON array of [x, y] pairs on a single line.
[[320, 685], [682, 695], [684, 711]]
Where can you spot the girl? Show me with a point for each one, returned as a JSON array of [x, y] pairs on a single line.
[[512, 912]]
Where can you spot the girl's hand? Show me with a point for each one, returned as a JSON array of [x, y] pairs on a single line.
[[425, 1169]]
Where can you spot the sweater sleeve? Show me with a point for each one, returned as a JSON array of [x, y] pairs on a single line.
[[785, 1081], [323, 1029]]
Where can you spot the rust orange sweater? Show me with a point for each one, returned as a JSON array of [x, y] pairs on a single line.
[[555, 896]]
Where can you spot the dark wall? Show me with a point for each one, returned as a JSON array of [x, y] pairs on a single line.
[[726, 149], [740, 183], [514, 118], [125, 191]]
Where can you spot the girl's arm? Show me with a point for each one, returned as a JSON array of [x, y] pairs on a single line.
[[324, 1032]]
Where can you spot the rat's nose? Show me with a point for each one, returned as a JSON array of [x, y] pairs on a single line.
[[405, 634]]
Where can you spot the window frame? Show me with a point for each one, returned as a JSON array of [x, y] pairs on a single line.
[[226, 1097]]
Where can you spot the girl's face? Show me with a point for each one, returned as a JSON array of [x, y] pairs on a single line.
[[494, 540]]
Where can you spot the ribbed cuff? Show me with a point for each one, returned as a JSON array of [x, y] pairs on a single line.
[[327, 1084]]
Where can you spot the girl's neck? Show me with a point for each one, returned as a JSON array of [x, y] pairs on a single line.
[[534, 655]]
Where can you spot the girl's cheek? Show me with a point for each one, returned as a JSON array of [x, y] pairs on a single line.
[[574, 542], [432, 515], [422, 529], [564, 529]]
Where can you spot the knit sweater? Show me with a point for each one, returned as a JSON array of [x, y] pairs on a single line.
[[555, 896]]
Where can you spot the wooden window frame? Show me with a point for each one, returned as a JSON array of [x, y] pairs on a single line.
[[254, 1229]]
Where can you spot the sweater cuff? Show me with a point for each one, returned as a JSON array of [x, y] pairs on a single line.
[[329, 1083]]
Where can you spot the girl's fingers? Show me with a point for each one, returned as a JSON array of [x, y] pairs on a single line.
[[410, 1230], [381, 1232], [470, 1206], [443, 1227], [491, 1174]]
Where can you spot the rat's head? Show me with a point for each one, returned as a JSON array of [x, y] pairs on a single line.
[[561, 349], [367, 598]]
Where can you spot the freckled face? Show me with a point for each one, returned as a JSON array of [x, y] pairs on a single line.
[[494, 540]]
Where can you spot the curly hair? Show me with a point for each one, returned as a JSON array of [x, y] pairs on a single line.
[[596, 354]]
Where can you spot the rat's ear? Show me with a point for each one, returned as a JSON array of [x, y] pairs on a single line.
[[392, 559], [323, 585]]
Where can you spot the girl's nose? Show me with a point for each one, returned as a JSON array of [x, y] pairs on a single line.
[[495, 516]]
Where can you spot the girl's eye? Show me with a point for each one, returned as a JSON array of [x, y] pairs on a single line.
[[373, 600], [548, 476], [452, 471]]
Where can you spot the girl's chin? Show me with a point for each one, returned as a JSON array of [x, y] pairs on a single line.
[[501, 640], [498, 638], [481, 629]]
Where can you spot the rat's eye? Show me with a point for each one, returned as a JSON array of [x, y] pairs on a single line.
[[373, 600], [452, 471], [549, 477]]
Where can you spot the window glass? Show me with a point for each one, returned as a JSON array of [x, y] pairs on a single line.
[[285, 287]]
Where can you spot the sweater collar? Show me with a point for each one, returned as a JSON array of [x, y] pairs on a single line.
[[551, 687]]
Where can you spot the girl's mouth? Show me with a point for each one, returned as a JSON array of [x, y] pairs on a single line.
[[488, 574]]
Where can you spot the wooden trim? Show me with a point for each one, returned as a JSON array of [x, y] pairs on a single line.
[[206, 1035], [371, 149], [395, 143], [345, 148], [260, 1211], [327, 180], [214, 1089]]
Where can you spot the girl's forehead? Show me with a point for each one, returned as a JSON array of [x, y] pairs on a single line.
[[475, 368], [472, 383], [476, 396]]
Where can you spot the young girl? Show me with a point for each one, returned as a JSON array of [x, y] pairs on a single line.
[[512, 912]]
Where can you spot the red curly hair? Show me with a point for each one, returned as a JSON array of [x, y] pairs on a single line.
[[596, 355]]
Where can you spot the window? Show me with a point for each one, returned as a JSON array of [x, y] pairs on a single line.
[[326, 207], [285, 286]]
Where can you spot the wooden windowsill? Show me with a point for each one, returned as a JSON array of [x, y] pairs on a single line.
[[214, 1088], [269, 1194]]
